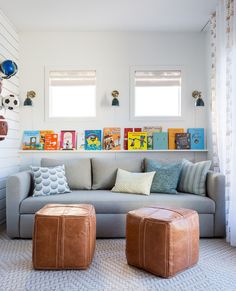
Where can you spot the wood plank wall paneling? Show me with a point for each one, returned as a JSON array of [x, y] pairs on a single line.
[[9, 157]]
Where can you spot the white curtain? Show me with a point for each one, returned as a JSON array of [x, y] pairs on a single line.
[[223, 32]]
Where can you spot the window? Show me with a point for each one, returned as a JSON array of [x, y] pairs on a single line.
[[72, 94], [157, 93]]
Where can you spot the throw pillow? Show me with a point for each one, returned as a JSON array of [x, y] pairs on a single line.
[[166, 176], [193, 177], [135, 183], [49, 181]]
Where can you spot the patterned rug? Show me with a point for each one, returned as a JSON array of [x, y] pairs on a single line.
[[216, 270]]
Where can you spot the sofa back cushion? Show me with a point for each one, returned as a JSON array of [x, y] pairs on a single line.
[[105, 170], [78, 171]]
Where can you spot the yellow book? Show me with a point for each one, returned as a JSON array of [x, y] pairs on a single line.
[[171, 137], [137, 141]]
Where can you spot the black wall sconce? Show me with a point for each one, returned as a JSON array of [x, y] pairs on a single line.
[[28, 100], [198, 96], [115, 95]]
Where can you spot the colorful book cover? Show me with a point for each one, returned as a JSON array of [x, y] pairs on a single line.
[[42, 137], [80, 140], [160, 140], [31, 140], [126, 131], [150, 130], [51, 142], [68, 140], [111, 139], [171, 137], [93, 140], [182, 141], [197, 138], [137, 141]]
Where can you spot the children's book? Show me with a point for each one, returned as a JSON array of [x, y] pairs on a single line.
[[111, 138], [137, 141], [150, 130], [197, 138], [68, 140], [31, 140], [126, 131], [182, 141], [160, 140], [93, 140], [171, 137], [51, 142], [42, 137], [80, 140]]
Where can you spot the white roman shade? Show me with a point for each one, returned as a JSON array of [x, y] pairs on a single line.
[[72, 78], [158, 78]]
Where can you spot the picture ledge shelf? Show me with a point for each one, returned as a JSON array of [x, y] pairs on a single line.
[[105, 151]]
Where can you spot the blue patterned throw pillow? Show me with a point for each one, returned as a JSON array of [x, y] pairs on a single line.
[[49, 181], [166, 177]]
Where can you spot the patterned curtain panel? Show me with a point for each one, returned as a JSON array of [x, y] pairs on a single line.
[[223, 90]]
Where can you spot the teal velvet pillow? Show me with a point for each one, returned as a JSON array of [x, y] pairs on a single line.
[[166, 177]]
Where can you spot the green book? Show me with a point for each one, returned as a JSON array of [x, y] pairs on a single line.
[[160, 140]]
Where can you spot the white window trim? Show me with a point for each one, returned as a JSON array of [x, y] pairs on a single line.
[[47, 118], [156, 118]]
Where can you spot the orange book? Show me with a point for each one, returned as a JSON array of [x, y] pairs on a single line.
[[111, 139], [42, 137], [51, 142], [171, 137]]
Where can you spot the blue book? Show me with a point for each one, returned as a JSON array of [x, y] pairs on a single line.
[[160, 140], [197, 138], [93, 140]]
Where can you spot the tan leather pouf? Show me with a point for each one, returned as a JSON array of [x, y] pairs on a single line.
[[64, 236], [163, 241]]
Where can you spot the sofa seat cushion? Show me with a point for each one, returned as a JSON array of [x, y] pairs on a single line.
[[108, 202]]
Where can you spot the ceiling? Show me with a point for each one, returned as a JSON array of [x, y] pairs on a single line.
[[108, 15]]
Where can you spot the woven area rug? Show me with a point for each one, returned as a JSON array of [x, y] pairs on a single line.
[[216, 270]]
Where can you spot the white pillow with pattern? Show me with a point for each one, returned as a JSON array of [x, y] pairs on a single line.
[[49, 181]]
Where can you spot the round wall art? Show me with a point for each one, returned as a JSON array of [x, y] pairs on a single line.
[[8, 68]]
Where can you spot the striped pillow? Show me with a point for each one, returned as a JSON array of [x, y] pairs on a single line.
[[193, 177]]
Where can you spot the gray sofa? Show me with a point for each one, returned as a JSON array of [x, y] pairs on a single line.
[[91, 181]]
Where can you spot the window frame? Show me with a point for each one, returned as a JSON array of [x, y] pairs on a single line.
[[47, 117], [133, 69]]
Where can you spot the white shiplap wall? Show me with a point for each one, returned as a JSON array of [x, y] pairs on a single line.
[[9, 158]]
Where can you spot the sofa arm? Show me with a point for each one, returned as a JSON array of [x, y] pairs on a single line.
[[17, 189], [216, 191]]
